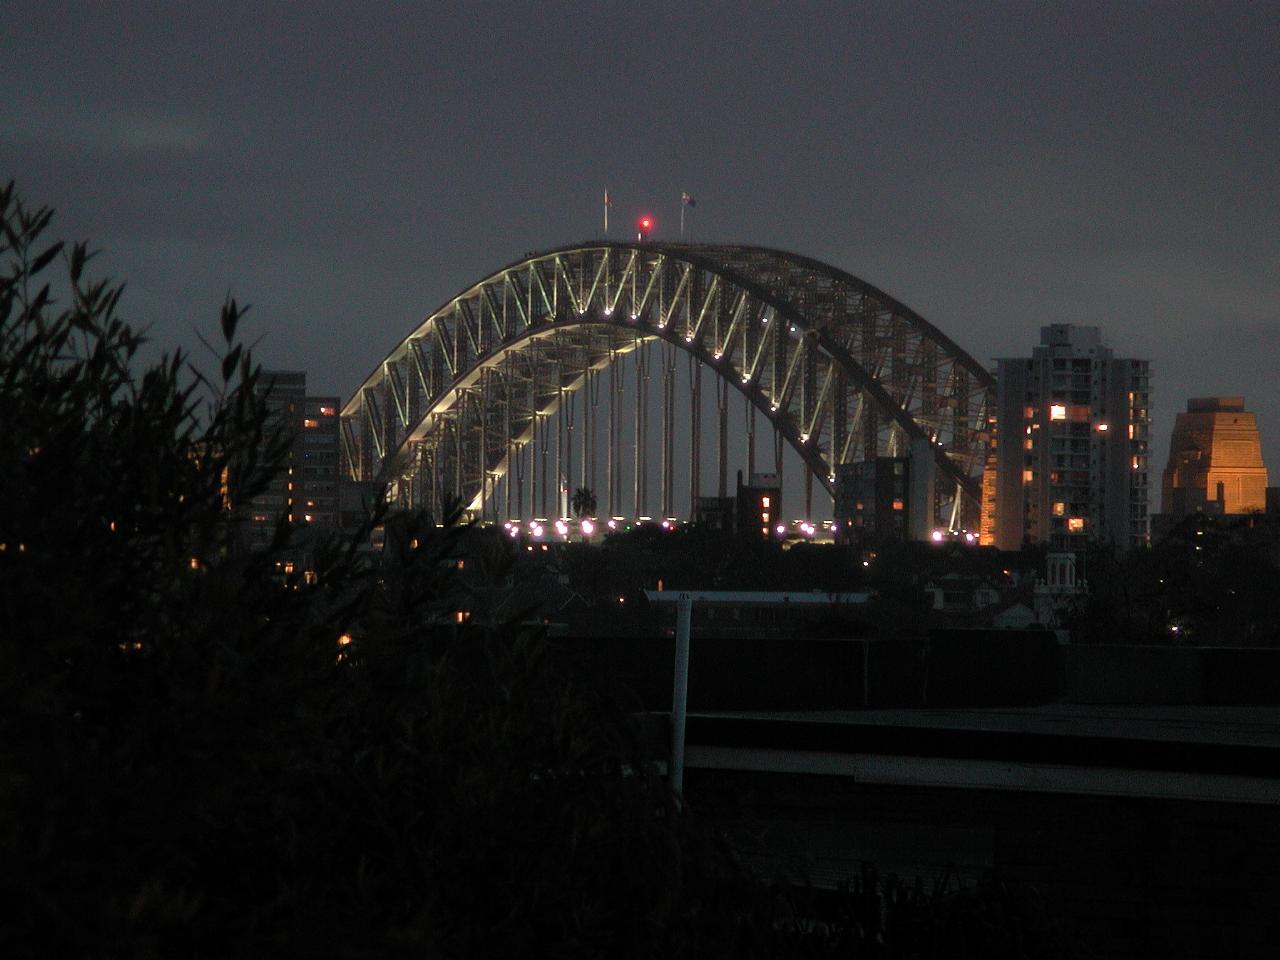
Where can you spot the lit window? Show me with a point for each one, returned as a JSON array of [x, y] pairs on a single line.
[[1028, 444], [326, 411], [1075, 524], [858, 506], [1102, 427], [288, 566], [764, 502], [1029, 413], [1059, 508], [309, 423], [764, 516], [897, 504], [1028, 476], [1057, 412]]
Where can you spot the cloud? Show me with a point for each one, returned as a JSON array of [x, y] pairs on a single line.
[[112, 135]]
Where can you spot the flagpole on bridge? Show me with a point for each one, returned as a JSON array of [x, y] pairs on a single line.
[[607, 204], [685, 201]]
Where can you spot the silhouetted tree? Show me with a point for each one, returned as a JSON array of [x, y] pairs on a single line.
[[583, 503], [201, 758]]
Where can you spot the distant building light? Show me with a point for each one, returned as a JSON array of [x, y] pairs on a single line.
[[1075, 524], [588, 528], [937, 536], [780, 529], [1102, 427], [1057, 412]]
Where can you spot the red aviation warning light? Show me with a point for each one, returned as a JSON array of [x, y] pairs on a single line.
[[646, 225]]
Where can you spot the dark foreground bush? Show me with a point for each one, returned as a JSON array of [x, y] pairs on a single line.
[[202, 758]]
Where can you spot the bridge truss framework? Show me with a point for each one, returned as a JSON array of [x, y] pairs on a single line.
[[477, 399]]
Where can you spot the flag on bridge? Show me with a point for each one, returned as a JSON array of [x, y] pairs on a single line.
[[608, 202], [687, 200]]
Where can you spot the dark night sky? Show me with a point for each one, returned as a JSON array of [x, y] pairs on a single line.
[[996, 167]]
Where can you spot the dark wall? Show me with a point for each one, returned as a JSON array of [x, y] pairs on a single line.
[[950, 668], [731, 674]]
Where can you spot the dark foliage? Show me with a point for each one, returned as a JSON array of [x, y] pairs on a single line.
[[1211, 581], [199, 757]]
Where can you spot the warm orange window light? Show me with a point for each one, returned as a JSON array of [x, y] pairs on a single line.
[[1027, 476], [1103, 427], [764, 502], [1057, 412], [1059, 508], [1075, 524], [897, 504], [326, 411], [308, 422]]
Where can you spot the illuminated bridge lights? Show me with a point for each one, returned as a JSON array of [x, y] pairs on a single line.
[[478, 399]]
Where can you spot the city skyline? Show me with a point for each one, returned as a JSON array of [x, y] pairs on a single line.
[[995, 168]]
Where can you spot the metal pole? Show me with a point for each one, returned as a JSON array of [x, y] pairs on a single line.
[[722, 398], [680, 692], [695, 434]]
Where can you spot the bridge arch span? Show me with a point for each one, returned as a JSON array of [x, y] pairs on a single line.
[[483, 391]]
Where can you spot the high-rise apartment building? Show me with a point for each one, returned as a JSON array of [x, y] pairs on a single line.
[[1069, 460], [306, 491], [1215, 461]]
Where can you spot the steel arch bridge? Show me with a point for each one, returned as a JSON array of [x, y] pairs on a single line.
[[468, 402]]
